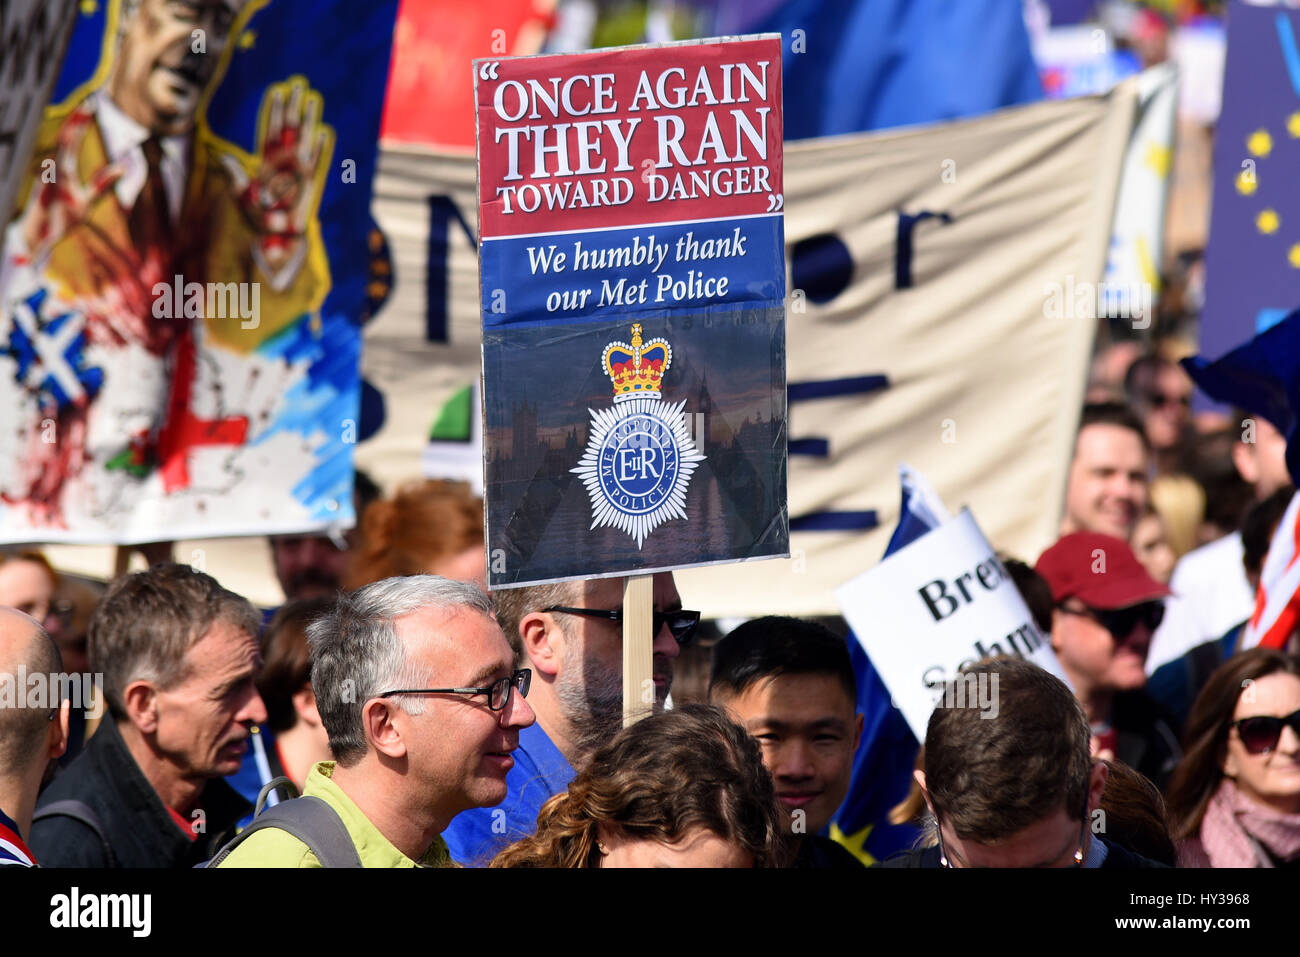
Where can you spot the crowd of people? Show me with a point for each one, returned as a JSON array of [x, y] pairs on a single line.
[[393, 713]]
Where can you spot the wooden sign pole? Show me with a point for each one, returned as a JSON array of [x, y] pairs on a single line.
[[638, 643]]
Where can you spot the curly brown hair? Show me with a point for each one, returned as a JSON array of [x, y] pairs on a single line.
[[670, 773], [425, 522]]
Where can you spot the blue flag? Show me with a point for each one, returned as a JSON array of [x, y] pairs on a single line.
[[882, 768], [1263, 377], [874, 64], [1253, 251]]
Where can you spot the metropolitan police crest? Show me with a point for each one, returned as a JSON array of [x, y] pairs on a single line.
[[640, 455]]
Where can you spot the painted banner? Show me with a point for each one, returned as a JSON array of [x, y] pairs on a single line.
[[1252, 263], [632, 278], [183, 282]]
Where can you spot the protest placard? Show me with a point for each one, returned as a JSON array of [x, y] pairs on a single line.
[[632, 279], [942, 602]]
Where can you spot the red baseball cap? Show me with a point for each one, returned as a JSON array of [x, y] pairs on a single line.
[[1099, 570]]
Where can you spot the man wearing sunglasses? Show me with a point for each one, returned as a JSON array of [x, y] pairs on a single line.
[[570, 635], [418, 689], [1106, 609], [1161, 392]]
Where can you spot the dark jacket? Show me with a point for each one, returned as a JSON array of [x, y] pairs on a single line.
[[137, 826], [822, 853], [1176, 683], [1146, 737], [1116, 858]]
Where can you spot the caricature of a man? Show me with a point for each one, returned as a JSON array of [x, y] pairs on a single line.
[[128, 190]]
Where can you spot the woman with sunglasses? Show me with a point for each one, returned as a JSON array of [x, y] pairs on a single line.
[[1235, 799]]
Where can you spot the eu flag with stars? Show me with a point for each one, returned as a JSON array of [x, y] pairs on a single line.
[[1252, 265]]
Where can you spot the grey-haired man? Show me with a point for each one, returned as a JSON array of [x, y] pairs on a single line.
[[416, 685]]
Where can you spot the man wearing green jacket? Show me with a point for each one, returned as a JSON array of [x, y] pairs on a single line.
[[416, 685]]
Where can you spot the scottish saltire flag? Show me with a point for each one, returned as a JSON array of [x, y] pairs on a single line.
[[1263, 378], [875, 64], [1252, 262], [184, 277], [882, 768]]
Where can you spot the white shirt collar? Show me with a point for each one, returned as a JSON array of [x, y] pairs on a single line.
[[123, 138]]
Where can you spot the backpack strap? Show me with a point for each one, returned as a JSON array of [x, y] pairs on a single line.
[[311, 821], [272, 786], [83, 813]]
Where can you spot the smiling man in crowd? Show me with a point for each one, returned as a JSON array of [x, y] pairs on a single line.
[[1107, 488], [180, 658], [790, 684], [570, 635]]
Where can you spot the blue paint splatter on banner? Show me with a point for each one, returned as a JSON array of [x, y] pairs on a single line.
[[324, 404]]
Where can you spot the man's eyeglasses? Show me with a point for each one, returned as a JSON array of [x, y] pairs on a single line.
[[498, 692], [1076, 861], [1261, 733], [1122, 622], [1159, 400], [682, 624]]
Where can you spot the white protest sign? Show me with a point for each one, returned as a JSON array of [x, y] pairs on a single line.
[[940, 603]]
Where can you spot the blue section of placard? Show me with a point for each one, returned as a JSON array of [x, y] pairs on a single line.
[[694, 265]]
